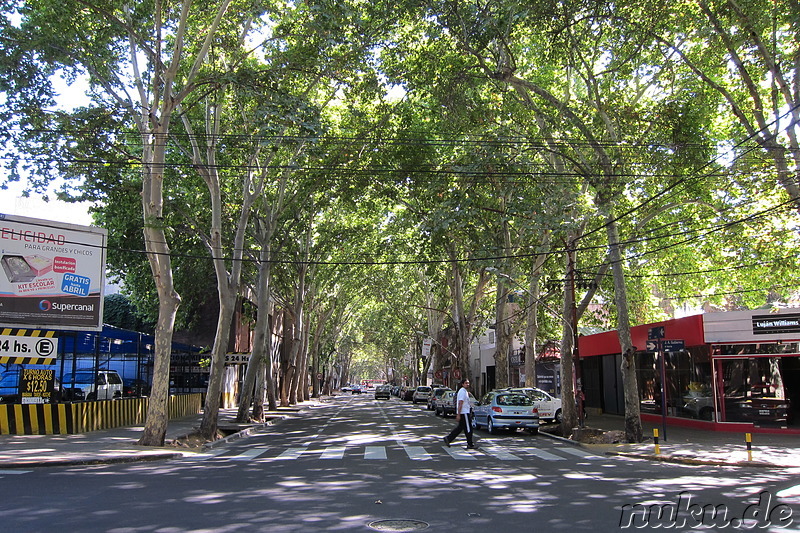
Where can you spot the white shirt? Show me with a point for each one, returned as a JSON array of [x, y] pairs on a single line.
[[463, 396]]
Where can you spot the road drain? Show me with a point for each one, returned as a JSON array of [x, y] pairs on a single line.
[[398, 525]]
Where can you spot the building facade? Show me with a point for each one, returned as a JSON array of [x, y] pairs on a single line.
[[732, 371]]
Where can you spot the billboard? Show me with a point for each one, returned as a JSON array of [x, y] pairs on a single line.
[[53, 274]]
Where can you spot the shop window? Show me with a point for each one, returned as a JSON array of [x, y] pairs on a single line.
[[753, 390], [688, 383]]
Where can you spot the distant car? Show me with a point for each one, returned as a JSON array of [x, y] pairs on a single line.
[[406, 393], [421, 394], [446, 403], [356, 389], [383, 392], [507, 410], [346, 388], [549, 406], [132, 387], [436, 393]]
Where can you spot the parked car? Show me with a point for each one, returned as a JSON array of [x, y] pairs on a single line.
[[406, 393], [446, 403], [99, 385], [383, 392], [436, 393], [356, 389], [421, 394], [549, 406], [507, 410], [346, 388], [133, 387]]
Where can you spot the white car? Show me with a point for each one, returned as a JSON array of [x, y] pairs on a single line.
[[422, 394], [549, 406], [96, 385]]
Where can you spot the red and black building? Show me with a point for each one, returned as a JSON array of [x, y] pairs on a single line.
[[727, 371]]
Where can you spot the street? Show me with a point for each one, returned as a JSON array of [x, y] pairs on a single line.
[[357, 461]]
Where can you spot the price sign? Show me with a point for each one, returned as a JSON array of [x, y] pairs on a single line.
[[37, 385]]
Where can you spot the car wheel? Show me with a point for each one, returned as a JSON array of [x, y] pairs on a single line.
[[436, 412], [559, 417], [534, 431], [490, 426], [92, 397]]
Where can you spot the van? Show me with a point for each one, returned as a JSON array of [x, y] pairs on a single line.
[[96, 385]]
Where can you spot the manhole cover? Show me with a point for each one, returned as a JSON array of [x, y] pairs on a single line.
[[398, 525]]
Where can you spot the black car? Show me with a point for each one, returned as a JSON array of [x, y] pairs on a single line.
[[383, 392], [132, 387]]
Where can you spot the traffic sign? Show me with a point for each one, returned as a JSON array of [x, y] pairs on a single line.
[[655, 333], [673, 346]]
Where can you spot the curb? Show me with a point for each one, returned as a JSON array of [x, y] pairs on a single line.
[[85, 461]]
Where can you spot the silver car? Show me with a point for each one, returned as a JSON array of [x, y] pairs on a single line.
[[507, 410], [422, 394]]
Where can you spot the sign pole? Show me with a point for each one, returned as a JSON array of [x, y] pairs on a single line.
[[661, 354]]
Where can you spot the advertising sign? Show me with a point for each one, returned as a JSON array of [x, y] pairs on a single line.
[[53, 274], [37, 385]]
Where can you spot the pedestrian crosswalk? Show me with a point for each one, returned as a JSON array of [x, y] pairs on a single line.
[[383, 453]]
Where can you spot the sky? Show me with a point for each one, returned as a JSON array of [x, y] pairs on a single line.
[[13, 203], [11, 200]]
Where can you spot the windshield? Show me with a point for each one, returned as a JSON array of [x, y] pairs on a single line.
[[514, 399], [80, 377]]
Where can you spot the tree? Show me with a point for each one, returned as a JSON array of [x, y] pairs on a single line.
[[108, 43]]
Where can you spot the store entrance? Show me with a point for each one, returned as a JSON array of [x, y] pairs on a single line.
[[791, 373]]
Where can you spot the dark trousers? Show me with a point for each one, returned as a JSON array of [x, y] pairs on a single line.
[[465, 425]]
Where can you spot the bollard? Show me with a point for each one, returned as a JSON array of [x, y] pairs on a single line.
[[748, 438], [655, 440]]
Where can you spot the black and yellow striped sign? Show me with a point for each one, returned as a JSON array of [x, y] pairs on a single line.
[[28, 346]]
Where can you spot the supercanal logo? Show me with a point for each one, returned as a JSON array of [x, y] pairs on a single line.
[[687, 514], [47, 305]]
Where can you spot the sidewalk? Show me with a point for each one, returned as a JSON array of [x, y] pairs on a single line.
[[119, 444], [692, 446]]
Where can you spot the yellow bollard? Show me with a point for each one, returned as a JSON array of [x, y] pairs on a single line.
[[655, 440], [748, 438]]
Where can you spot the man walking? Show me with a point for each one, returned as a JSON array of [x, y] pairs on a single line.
[[463, 416]]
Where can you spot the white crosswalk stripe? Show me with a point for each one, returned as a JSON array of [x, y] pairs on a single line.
[[292, 453], [578, 453], [375, 452], [417, 453], [414, 453], [249, 454]]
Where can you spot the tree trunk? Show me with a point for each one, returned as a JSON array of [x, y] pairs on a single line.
[[633, 421], [158, 254]]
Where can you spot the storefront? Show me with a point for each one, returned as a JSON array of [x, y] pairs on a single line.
[[736, 371]]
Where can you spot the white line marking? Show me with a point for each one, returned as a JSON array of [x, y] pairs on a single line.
[[375, 452], [417, 453], [333, 452], [252, 453], [541, 454], [291, 453], [459, 453]]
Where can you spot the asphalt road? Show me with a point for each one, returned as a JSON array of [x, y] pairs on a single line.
[[358, 464]]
